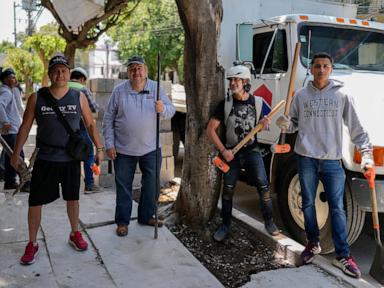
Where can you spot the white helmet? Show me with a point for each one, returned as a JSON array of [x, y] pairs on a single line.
[[239, 71], [81, 71]]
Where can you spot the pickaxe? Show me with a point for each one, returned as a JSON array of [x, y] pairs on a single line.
[[25, 171], [221, 164], [283, 147]]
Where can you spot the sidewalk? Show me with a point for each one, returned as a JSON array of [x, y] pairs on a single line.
[[111, 261], [133, 261]]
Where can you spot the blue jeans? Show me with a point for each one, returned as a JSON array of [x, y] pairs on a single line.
[[254, 166], [88, 174], [9, 172], [125, 167], [331, 174]]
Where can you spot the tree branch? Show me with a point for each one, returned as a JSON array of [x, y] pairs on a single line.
[[63, 31]]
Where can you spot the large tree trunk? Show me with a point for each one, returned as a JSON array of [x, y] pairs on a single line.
[[69, 52], [45, 79], [204, 85]]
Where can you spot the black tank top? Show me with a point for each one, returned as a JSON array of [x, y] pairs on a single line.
[[51, 135]]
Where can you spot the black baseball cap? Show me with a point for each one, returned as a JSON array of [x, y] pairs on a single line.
[[135, 59], [7, 72], [56, 60]]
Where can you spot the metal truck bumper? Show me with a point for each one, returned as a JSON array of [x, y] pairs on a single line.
[[362, 194]]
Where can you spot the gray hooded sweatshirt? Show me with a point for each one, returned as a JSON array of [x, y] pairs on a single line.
[[318, 116]]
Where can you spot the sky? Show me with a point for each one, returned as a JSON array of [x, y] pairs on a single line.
[[6, 19]]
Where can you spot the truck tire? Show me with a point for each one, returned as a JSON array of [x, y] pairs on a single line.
[[289, 200]]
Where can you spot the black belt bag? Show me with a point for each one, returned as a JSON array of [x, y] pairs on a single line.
[[76, 146]]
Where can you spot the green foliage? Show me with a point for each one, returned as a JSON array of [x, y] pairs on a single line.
[[50, 29], [25, 64], [45, 44], [154, 26], [5, 45]]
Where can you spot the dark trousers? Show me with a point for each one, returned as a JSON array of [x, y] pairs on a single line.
[[9, 172], [254, 166], [125, 167]]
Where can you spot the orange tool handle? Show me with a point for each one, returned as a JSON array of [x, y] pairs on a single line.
[[95, 169]]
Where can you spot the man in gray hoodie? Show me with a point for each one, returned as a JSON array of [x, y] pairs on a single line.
[[318, 112]]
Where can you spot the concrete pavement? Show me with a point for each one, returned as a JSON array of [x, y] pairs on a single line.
[[111, 261]]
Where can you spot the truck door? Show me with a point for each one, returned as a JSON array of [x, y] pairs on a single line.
[[270, 59]]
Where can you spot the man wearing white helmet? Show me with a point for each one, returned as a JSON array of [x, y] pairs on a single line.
[[240, 113], [78, 81]]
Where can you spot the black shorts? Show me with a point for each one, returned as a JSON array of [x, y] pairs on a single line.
[[46, 177]]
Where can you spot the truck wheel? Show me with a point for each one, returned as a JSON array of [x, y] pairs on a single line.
[[355, 216], [289, 198]]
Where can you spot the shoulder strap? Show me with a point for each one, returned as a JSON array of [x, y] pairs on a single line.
[[53, 103]]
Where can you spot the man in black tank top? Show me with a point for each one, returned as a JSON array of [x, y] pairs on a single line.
[[239, 116], [54, 165]]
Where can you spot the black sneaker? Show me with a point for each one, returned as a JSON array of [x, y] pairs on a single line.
[[271, 228], [91, 189], [311, 249], [10, 186], [221, 233], [348, 266], [26, 188]]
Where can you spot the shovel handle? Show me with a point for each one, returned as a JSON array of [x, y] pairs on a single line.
[[370, 175], [258, 128]]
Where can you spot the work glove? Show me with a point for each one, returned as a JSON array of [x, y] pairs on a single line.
[[366, 161], [283, 122]]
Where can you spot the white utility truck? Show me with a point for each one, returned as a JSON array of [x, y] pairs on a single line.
[[357, 47]]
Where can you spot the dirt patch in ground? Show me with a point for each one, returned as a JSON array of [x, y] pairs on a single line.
[[233, 260]]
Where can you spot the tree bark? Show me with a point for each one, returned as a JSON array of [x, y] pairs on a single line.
[[45, 78], [69, 52], [90, 30], [204, 85]]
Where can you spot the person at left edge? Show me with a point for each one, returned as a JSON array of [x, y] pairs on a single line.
[[10, 120]]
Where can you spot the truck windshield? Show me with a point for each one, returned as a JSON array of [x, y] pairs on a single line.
[[357, 49]]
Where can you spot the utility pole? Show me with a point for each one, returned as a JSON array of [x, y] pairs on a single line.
[[29, 27], [14, 22], [107, 46]]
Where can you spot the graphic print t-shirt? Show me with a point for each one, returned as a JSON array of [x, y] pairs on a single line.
[[51, 135], [241, 120]]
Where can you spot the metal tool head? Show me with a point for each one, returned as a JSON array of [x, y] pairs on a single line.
[[377, 267], [280, 148], [220, 163]]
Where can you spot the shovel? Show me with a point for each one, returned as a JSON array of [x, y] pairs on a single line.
[[25, 171], [221, 164], [377, 267]]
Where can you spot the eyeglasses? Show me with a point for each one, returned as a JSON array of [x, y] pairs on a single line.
[[324, 66]]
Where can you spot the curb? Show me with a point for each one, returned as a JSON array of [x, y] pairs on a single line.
[[290, 250]]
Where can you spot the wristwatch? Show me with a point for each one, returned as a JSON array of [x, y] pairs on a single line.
[[100, 149]]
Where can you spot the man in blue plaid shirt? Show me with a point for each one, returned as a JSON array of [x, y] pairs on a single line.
[[78, 80]]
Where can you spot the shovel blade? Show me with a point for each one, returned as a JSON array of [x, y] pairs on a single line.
[[377, 267]]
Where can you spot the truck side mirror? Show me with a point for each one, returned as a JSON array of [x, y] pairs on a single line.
[[244, 42]]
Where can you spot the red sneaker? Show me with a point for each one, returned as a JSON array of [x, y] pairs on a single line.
[[77, 241], [30, 254]]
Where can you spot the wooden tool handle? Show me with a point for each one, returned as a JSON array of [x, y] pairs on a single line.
[[292, 79], [258, 128]]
